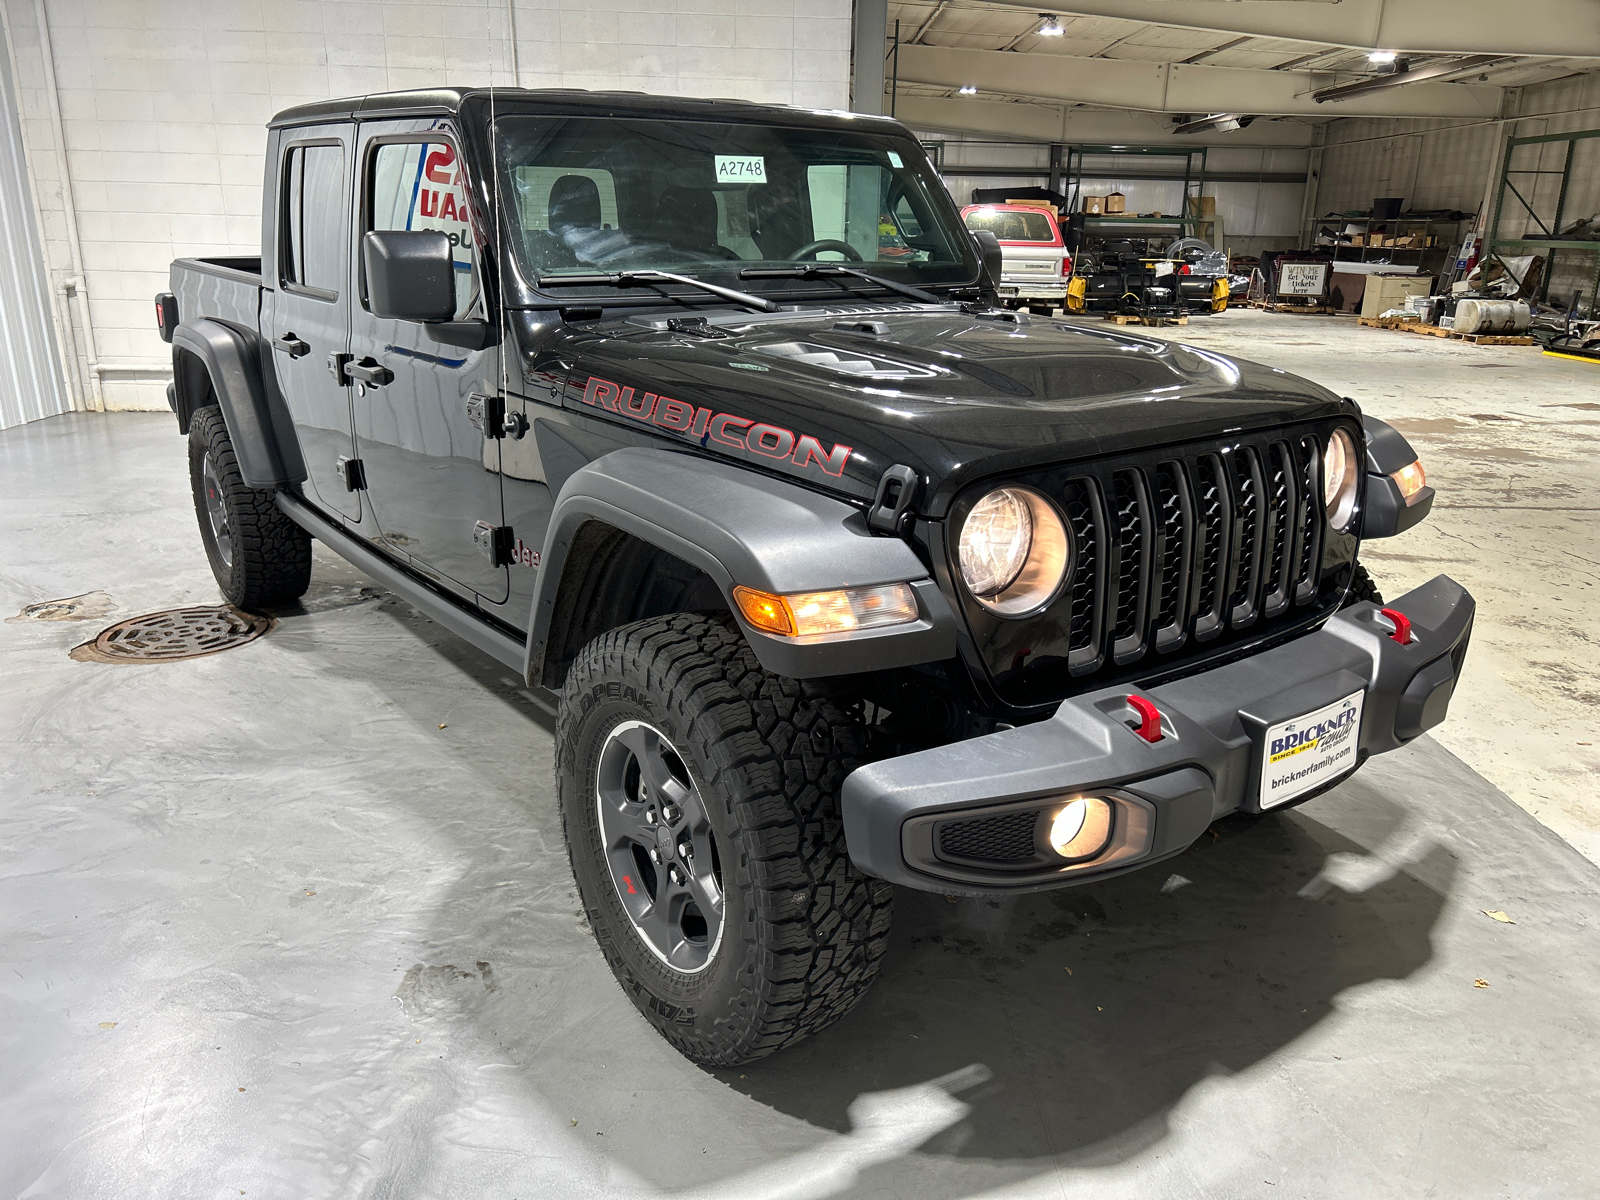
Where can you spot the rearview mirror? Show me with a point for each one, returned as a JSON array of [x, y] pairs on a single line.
[[411, 274], [988, 250]]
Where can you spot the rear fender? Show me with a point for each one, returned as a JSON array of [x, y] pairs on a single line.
[[212, 358], [741, 527]]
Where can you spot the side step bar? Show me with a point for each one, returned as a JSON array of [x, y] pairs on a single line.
[[445, 609]]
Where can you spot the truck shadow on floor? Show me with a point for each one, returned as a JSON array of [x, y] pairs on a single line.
[[1098, 1008]]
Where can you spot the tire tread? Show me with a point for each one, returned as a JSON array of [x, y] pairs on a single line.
[[777, 751]]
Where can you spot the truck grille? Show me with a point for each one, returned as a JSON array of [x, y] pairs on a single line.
[[1179, 552]]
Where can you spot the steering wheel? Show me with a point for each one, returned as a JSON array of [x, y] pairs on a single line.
[[812, 249]]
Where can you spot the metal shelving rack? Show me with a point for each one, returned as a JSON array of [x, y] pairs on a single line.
[[1425, 225], [1551, 244], [1193, 178]]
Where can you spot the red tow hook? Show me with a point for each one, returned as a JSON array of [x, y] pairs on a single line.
[[1402, 625], [1149, 718]]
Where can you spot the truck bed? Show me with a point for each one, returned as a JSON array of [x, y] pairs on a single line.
[[227, 289]]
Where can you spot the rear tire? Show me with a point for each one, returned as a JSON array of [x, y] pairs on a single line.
[[260, 557], [781, 935]]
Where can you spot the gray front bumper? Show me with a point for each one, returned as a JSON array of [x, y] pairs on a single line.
[[1205, 766]]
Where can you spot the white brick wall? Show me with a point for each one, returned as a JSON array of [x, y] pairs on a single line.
[[162, 105]]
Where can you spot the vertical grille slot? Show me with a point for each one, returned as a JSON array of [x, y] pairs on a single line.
[[1131, 510], [1174, 525], [1214, 521], [1244, 574], [1086, 514], [1280, 534], [1311, 515]]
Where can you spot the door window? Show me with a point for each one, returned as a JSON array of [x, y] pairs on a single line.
[[313, 219], [420, 185]]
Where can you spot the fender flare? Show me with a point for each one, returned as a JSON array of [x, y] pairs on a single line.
[[742, 527], [1384, 511], [257, 419]]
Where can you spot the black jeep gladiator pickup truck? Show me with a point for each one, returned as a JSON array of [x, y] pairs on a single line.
[[701, 414]]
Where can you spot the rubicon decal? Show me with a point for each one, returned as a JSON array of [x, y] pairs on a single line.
[[726, 429]]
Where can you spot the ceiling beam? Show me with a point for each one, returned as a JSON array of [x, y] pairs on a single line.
[[922, 30], [1175, 87], [1093, 126], [1567, 28]]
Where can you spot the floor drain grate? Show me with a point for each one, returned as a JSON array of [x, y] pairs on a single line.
[[174, 635]]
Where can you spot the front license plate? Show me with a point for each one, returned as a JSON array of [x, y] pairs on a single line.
[[1007, 291], [1310, 750]]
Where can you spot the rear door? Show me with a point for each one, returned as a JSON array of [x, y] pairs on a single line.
[[308, 309], [433, 478]]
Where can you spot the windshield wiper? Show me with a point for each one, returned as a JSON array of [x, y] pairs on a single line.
[[624, 279], [824, 270]]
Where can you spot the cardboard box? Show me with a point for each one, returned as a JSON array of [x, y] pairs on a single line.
[[1116, 202], [1044, 204], [1358, 239], [1094, 205], [1377, 239], [1390, 291]]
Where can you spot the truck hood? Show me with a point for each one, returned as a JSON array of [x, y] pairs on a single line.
[[834, 396]]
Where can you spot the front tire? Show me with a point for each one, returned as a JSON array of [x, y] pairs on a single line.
[[748, 929], [260, 557], [1362, 588]]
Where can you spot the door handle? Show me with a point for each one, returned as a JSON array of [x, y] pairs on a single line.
[[369, 371], [291, 345]]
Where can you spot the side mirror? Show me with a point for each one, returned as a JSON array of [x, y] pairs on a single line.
[[989, 252], [411, 274]]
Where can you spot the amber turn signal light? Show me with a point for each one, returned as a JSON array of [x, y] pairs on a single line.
[[800, 614], [1412, 480]]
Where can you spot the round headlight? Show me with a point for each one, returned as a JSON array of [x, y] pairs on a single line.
[[1013, 551], [1339, 478]]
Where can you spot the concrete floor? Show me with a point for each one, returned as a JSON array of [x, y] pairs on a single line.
[[267, 929]]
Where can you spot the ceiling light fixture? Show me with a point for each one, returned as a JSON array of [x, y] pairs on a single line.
[[1400, 78], [1381, 58], [969, 90], [1051, 26]]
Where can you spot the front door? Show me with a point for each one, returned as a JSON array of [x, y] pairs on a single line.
[[309, 305], [432, 476]]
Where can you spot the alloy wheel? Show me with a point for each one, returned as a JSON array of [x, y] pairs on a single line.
[[659, 847]]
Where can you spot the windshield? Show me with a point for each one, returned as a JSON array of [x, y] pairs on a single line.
[[708, 199], [1010, 226]]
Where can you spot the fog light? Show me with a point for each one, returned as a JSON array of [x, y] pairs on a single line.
[[1081, 829]]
